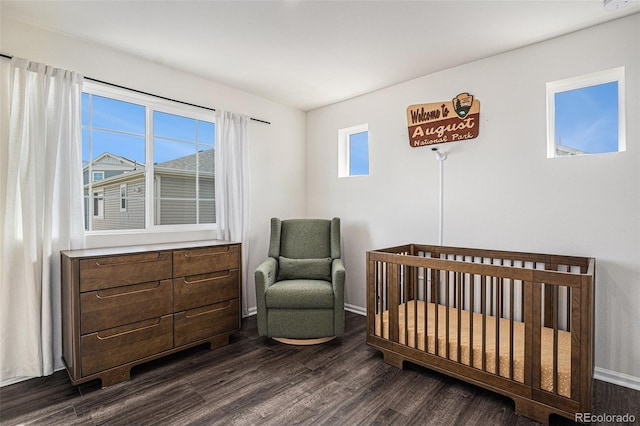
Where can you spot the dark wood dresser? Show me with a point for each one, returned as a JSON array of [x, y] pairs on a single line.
[[122, 306]]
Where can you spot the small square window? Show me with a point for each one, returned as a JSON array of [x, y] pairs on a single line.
[[353, 151], [98, 176], [585, 114]]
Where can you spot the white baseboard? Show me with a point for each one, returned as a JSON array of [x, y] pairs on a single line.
[[13, 381], [616, 378], [355, 309]]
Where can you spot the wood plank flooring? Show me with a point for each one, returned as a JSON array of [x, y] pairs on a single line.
[[255, 380]]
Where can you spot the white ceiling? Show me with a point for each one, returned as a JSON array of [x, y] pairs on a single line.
[[313, 53]]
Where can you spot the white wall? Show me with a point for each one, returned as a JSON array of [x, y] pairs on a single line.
[[501, 191], [277, 150]]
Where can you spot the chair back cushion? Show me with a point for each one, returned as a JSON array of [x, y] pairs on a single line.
[[305, 238]]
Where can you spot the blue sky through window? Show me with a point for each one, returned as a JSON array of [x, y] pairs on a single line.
[[359, 154], [125, 125], [586, 119]]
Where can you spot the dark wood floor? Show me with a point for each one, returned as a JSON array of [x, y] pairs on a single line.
[[258, 381]]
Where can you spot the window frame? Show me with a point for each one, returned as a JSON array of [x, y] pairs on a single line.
[[97, 200], [123, 197], [95, 173], [344, 150], [580, 82], [151, 104]]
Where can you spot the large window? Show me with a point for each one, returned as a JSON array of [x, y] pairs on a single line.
[[353, 151], [151, 162], [585, 114]]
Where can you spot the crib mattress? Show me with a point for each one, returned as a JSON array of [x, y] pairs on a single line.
[[409, 334]]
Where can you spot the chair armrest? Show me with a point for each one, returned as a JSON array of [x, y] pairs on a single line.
[[338, 280], [265, 275], [267, 272], [338, 275]]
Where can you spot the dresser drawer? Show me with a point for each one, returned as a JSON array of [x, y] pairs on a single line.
[[205, 322], [113, 271], [110, 308], [199, 290], [203, 260], [117, 346]]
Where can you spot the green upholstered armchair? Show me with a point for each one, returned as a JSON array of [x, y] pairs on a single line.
[[300, 287]]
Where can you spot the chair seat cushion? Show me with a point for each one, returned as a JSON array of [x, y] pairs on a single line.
[[300, 294]]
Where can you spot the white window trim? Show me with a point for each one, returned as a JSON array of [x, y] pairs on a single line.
[[93, 176], [153, 104], [344, 153], [572, 83]]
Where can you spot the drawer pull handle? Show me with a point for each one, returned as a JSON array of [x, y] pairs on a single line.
[[209, 253], [127, 263], [102, 295], [155, 324], [226, 306], [186, 281]]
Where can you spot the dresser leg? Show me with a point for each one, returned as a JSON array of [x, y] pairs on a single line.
[[115, 375], [218, 341]]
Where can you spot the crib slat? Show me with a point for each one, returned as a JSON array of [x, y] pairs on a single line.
[[393, 299], [554, 387], [498, 316], [376, 289], [548, 296], [410, 278], [492, 308], [435, 324], [372, 304], [460, 287], [536, 338], [415, 308], [568, 301], [405, 299], [484, 281], [472, 286], [576, 342], [425, 313], [521, 318], [455, 288], [435, 281], [447, 315], [511, 314], [383, 292], [528, 330]]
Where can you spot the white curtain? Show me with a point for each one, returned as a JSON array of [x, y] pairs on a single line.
[[233, 186], [40, 213]]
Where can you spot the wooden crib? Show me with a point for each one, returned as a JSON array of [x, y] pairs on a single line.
[[519, 324]]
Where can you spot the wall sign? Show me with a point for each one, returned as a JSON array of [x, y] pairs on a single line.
[[450, 121]]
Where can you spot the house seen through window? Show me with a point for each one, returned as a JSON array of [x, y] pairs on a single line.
[[151, 164]]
